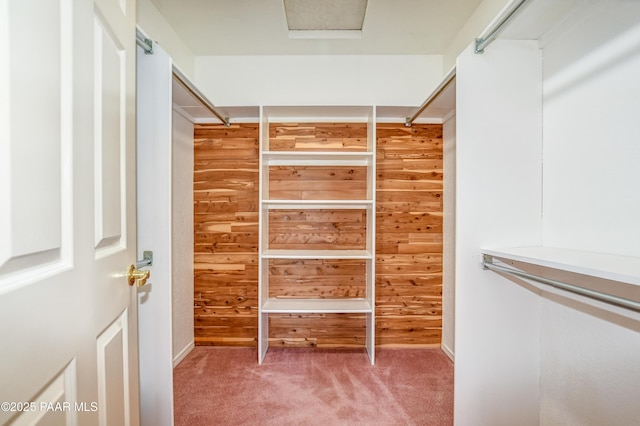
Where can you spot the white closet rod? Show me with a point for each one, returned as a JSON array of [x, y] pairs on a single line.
[[487, 263], [493, 33], [195, 92], [443, 84]]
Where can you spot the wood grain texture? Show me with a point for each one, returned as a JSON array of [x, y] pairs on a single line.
[[317, 229], [226, 177], [318, 137], [408, 235], [320, 278], [317, 330], [317, 183]]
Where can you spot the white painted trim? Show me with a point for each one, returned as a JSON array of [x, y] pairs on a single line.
[[428, 121], [231, 120], [448, 352], [403, 119], [449, 116], [183, 354], [185, 114], [154, 232], [315, 119]]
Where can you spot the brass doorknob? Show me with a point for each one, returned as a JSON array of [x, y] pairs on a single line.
[[137, 277]]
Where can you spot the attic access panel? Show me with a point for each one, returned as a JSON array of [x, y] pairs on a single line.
[[325, 15]]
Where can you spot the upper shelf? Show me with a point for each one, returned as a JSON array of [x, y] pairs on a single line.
[[625, 269], [311, 158], [301, 114]]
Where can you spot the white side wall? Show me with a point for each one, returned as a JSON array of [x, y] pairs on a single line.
[[318, 80], [449, 237], [156, 27], [498, 203], [182, 236], [592, 134], [589, 364], [590, 372]]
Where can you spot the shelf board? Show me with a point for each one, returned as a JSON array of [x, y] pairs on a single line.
[[315, 158], [317, 114], [320, 306], [317, 254], [317, 204], [623, 269]]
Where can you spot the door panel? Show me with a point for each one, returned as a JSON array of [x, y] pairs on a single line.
[[32, 178], [113, 373], [110, 138], [57, 403], [67, 212]]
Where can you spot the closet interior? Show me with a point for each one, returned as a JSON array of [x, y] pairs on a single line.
[[319, 227]]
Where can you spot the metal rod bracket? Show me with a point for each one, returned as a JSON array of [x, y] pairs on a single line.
[[487, 259], [147, 259], [146, 44], [149, 43], [482, 42]]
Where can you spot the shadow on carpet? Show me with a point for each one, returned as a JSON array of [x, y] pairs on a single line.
[[226, 386]]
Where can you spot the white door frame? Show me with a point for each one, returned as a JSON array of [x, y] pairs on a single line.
[[154, 154]]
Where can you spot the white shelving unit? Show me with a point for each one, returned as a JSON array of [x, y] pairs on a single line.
[[271, 304]]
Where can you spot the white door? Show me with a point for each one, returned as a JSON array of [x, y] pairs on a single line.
[[68, 351]]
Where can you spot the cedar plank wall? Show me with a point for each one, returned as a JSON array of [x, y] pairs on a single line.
[[226, 234], [409, 235], [408, 240]]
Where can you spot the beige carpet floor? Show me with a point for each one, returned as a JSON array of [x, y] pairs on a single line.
[[226, 386]]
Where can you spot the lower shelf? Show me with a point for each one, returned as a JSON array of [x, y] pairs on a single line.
[[320, 306]]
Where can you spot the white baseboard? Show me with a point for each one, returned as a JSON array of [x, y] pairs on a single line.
[[448, 352], [183, 353]]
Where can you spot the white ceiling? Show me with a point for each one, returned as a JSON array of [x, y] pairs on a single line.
[[253, 27], [539, 18], [259, 27]]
